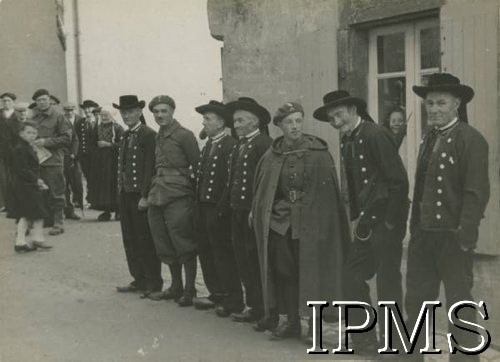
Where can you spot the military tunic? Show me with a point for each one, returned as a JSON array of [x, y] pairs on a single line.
[[135, 170], [242, 165], [86, 131], [218, 263]]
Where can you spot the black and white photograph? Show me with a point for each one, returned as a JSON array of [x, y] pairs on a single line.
[[249, 180]]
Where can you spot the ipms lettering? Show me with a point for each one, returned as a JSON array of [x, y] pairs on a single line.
[[393, 320]]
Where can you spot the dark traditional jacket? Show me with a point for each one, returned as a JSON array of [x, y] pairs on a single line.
[[86, 134], [56, 130], [456, 189], [324, 230], [9, 134], [212, 170], [136, 160], [376, 178], [242, 171], [177, 156]]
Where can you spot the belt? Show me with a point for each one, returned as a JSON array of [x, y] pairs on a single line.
[[167, 171], [294, 195]]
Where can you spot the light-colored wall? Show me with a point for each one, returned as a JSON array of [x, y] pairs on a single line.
[[149, 48], [32, 56]]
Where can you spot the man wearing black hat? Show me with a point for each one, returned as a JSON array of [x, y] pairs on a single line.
[[72, 170], [249, 118], [54, 134], [171, 201], [9, 125], [86, 131], [135, 171], [377, 186], [450, 197], [215, 250]]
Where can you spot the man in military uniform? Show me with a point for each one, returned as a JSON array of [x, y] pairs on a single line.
[[215, 250], [135, 170], [450, 197], [54, 134], [86, 131], [171, 201], [249, 119], [72, 171], [377, 186]]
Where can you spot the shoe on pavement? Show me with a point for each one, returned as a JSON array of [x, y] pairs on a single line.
[[105, 216], [248, 316], [56, 230], [24, 248], [72, 216], [185, 301], [41, 245], [267, 324], [203, 303], [131, 288], [287, 330]]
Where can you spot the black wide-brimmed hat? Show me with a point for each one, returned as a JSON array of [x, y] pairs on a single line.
[[445, 82], [89, 104], [129, 101], [338, 98], [250, 105], [217, 108]]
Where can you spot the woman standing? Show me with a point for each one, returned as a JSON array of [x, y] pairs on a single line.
[[103, 181], [299, 221]]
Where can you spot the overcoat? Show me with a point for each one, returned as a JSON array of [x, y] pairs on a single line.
[[324, 233]]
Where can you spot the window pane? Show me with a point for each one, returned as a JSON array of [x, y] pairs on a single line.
[[391, 53], [429, 48], [391, 93]]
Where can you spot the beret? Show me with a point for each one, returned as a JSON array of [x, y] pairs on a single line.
[[10, 95], [163, 99], [285, 110], [39, 93]]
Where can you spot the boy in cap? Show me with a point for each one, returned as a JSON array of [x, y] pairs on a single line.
[[171, 201], [217, 260], [54, 134]]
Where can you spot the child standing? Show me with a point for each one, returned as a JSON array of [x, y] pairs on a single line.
[[28, 206]]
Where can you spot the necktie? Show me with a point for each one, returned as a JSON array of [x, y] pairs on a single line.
[[242, 145]]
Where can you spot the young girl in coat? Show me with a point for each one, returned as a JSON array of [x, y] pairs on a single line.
[[28, 205]]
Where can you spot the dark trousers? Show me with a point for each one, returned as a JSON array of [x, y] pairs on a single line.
[[245, 250], [284, 272], [143, 264], [435, 257], [381, 256], [217, 259], [53, 176], [74, 186]]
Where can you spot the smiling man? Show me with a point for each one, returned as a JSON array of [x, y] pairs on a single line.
[[450, 196], [377, 187], [171, 201]]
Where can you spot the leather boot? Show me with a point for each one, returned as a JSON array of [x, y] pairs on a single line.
[[189, 288], [289, 329]]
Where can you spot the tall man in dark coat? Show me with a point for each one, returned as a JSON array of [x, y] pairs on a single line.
[[135, 170], [215, 250], [72, 171], [377, 186], [86, 131], [9, 126], [450, 196], [54, 134], [249, 118], [171, 201]]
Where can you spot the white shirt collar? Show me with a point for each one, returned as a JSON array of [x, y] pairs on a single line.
[[133, 129], [449, 125], [218, 137], [251, 135], [8, 113]]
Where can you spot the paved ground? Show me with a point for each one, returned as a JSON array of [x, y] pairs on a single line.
[[62, 306]]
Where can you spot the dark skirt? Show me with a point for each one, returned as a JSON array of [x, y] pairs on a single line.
[[27, 201], [102, 183]]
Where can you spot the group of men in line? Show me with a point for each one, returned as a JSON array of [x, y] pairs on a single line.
[[177, 203]]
